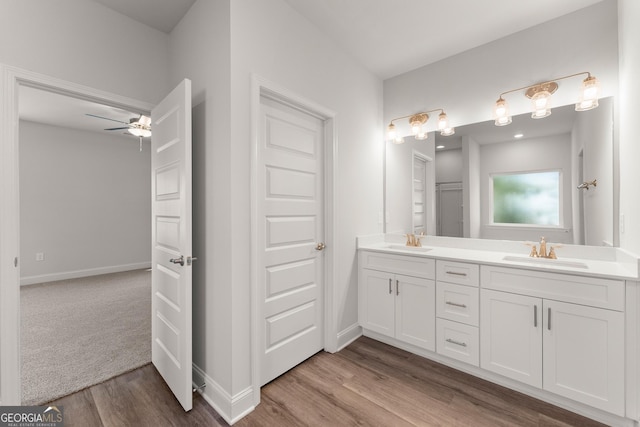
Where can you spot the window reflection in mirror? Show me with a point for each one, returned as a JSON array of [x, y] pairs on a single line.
[[529, 198]]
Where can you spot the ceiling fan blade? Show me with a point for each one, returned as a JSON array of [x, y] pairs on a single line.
[[120, 128], [106, 118]]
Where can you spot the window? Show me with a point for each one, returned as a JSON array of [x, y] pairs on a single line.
[[527, 198]]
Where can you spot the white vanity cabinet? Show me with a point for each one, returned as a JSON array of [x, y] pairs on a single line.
[[562, 333], [457, 310], [397, 297]]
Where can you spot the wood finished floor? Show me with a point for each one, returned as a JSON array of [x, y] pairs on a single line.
[[366, 384]]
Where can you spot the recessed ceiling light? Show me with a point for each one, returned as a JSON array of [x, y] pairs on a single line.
[[440, 146], [518, 135]]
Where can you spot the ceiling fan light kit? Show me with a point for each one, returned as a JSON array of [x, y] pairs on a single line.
[[137, 126]]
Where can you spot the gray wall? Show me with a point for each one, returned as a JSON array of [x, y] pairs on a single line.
[[84, 202], [533, 154], [449, 165]]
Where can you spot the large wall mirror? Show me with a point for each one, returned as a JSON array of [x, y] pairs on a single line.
[[515, 182]]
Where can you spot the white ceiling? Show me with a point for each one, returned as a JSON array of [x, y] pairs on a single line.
[[388, 37], [391, 37], [162, 15], [50, 108]]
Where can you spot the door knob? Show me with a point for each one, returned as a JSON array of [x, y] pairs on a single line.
[[320, 246], [178, 260]]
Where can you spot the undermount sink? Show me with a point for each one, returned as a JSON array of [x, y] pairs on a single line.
[[409, 248], [545, 261]]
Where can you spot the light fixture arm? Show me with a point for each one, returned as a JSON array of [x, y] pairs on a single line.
[[415, 114], [546, 82]]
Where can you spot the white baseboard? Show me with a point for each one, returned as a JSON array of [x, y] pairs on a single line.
[[65, 275], [231, 408], [348, 335]]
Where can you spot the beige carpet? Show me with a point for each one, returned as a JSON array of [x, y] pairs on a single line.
[[80, 332]]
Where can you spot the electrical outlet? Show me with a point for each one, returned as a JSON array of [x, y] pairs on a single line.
[[39, 256]]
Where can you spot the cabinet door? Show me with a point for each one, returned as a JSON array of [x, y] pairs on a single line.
[[584, 354], [377, 310], [416, 311], [511, 336]]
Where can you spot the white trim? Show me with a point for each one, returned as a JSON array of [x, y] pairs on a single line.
[[347, 336], [262, 87], [66, 275], [632, 339], [230, 408], [10, 385]]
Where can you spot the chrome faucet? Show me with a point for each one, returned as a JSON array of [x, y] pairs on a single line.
[[542, 252]]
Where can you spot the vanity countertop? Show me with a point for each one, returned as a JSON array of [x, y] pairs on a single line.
[[581, 260]]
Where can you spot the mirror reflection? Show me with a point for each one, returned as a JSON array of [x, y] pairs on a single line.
[[516, 182]]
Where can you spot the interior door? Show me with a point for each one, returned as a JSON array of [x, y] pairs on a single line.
[[450, 214], [171, 241], [290, 236]]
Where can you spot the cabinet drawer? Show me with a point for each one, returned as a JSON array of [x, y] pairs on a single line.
[[457, 303], [591, 291], [401, 264], [457, 272], [458, 341]]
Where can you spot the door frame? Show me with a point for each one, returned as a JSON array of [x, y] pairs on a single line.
[[263, 87], [12, 77]]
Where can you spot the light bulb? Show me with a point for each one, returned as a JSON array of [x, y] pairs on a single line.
[[443, 121], [391, 131], [140, 132], [503, 121], [541, 104], [416, 128], [501, 113], [589, 94]]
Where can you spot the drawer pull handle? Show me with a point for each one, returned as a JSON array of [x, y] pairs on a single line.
[[455, 273], [390, 285], [549, 318], [397, 287], [535, 316], [461, 344], [455, 304]]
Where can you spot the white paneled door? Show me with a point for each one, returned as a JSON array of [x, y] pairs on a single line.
[[290, 237], [171, 241]]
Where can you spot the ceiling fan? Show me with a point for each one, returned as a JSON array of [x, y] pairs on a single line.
[[137, 126]]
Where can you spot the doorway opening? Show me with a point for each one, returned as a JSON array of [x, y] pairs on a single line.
[[84, 244], [10, 314]]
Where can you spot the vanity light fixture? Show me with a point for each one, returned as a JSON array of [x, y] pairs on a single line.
[[417, 122], [540, 95]]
